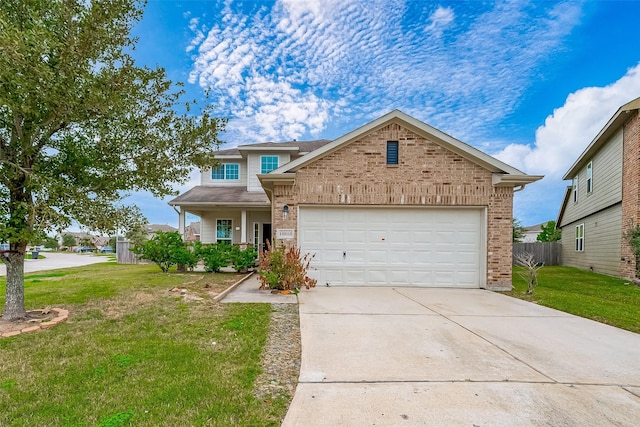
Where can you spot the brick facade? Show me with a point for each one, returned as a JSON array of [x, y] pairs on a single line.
[[427, 175], [630, 191]]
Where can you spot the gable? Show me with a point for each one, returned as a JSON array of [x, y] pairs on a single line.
[[410, 129], [420, 161]]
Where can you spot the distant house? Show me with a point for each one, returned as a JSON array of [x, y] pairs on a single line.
[[152, 228], [603, 201], [83, 238], [394, 202], [531, 233], [192, 232]]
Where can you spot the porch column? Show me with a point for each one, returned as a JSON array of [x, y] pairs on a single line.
[[243, 226], [181, 221]]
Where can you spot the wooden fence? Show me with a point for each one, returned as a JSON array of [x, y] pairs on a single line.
[[124, 254], [545, 252]]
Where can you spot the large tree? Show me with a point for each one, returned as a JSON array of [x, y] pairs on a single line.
[[81, 124]]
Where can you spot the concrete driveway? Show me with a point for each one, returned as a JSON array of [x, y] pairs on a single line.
[[440, 357], [55, 260]]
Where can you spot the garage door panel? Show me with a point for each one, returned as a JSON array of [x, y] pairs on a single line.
[[356, 256], [399, 277], [398, 257], [376, 276], [394, 246], [356, 276], [376, 256], [355, 235]]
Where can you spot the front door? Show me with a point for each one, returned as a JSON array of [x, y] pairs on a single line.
[[266, 235]]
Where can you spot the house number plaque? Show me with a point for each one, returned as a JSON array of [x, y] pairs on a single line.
[[285, 233]]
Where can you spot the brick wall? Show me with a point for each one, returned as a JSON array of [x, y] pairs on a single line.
[[630, 191], [427, 175]]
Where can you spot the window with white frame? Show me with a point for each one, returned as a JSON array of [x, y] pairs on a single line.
[[226, 171], [575, 189], [580, 238], [590, 177], [224, 231], [268, 163], [256, 233]]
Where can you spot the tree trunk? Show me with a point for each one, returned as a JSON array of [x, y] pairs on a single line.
[[14, 300]]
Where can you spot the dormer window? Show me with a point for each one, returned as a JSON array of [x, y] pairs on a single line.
[[575, 189], [226, 171], [268, 163]]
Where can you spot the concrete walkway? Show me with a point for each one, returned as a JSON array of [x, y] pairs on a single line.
[[55, 260], [249, 291], [415, 357]]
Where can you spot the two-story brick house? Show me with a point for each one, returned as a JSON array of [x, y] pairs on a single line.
[[603, 201], [394, 202], [230, 200]]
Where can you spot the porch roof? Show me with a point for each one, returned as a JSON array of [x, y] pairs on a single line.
[[208, 195]]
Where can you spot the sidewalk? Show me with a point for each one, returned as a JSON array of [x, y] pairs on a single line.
[[56, 260]]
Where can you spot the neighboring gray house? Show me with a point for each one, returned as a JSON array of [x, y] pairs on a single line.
[[603, 201]]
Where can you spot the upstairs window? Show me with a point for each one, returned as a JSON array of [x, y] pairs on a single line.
[[590, 177], [392, 152], [268, 163], [580, 238], [226, 171], [575, 189]]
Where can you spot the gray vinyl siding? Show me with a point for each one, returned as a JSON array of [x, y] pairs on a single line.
[[602, 237], [607, 182]]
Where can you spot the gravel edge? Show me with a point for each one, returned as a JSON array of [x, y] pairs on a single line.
[[281, 355]]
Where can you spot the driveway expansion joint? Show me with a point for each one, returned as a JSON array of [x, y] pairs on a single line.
[[567, 384]]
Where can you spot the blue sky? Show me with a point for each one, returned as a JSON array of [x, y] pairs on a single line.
[[526, 81]]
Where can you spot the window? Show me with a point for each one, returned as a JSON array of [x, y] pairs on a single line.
[[226, 171], [580, 238], [575, 189], [590, 177], [268, 163], [224, 231], [392, 152], [256, 234]]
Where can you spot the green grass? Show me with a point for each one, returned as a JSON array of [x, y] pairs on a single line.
[[133, 354], [595, 296]]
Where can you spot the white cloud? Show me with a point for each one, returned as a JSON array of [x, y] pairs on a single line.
[[571, 128], [440, 20], [311, 61], [564, 136]]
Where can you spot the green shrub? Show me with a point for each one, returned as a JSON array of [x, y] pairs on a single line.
[[215, 256], [165, 249], [243, 259]]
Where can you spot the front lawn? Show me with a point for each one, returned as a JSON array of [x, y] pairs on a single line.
[[595, 296], [134, 353]]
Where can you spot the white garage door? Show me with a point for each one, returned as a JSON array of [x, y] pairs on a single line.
[[394, 246]]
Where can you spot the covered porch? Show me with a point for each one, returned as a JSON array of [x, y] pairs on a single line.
[[229, 214]]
